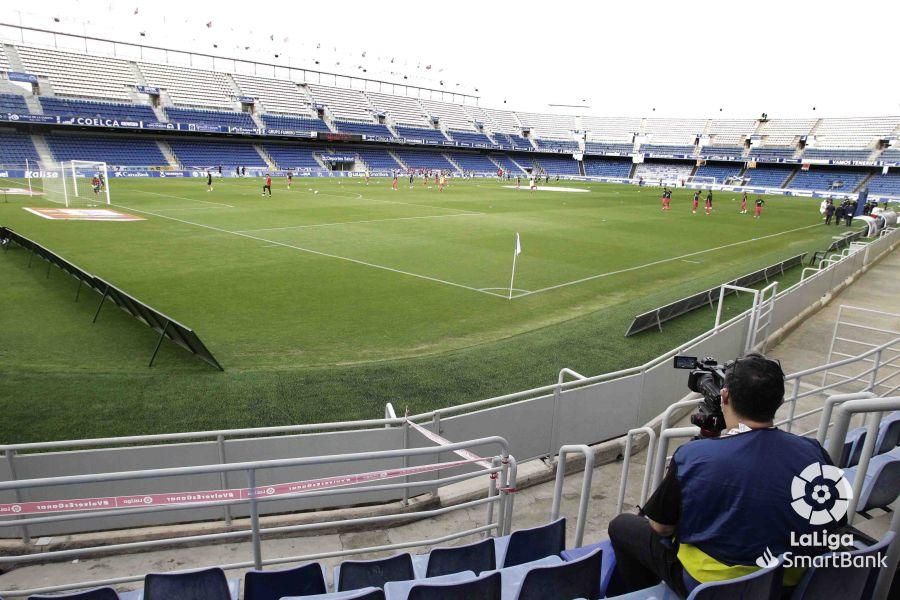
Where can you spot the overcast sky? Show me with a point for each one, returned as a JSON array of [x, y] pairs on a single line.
[[649, 58]]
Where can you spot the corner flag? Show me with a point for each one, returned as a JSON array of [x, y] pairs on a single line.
[[513, 276], [518, 245]]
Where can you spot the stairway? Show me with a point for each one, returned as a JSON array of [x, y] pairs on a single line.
[[453, 162], [258, 120], [168, 153], [12, 56], [400, 162], [865, 182], [266, 157], [43, 150], [790, 178]]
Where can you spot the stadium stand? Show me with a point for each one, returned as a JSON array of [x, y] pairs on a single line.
[[292, 156], [658, 149], [721, 171], [401, 109], [607, 167], [608, 148], [673, 131], [618, 129], [342, 103], [80, 75], [377, 158], [720, 151], [853, 133], [292, 123], [477, 163], [548, 126], [723, 132], [526, 161], [504, 121], [836, 154], [419, 134], [423, 159], [773, 152], [653, 170], [66, 107], [476, 114], [363, 128], [769, 175], [475, 138], [276, 95], [210, 153], [890, 155], [211, 117], [783, 132], [4, 62], [13, 103], [818, 178], [15, 148], [557, 165], [507, 164], [888, 185], [569, 146], [450, 116], [118, 151], [190, 87]]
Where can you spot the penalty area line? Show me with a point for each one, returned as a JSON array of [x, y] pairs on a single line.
[[361, 221], [663, 261], [182, 198], [311, 251]]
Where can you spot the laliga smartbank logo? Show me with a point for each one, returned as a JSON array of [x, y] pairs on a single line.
[[821, 495]]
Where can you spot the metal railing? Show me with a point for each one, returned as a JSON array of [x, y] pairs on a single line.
[[500, 484]]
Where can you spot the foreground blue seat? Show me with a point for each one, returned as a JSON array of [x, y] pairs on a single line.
[[579, 578], [842, 583], [103, 593], [305, 580], [399, 590], [526, 545], [205, 584], [888, 433], [607, 567], [369, 593], [477, 557], [486, 587], [356, 574], [882, 482]]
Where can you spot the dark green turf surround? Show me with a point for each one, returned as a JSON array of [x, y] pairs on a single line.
[[306, 336]]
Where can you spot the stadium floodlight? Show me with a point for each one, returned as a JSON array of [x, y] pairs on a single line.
[[89, 182]]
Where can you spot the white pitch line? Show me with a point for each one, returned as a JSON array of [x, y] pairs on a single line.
[[659, 262], [182, 198], [310, 251], [361, 221]]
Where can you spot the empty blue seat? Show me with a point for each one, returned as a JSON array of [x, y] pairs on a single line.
[[526, 545], [477, 557], [764, 584], [486, 587], [579, 578], [840, 582], [882, 481], [607, 567], [305, 580], [205, 584], [103, 593], [888, 433], [399, 590], [369, 593], [356, 574]]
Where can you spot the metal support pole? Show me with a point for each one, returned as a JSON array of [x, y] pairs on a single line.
[[663, 448], [11, 460], [162, 336], [511, 495], [102, 300], [793, 408], [874, 379], [886, 575], [626, 462], [406, 462], [78, 291], [223, 475], [504, 480], [492, 493], [874, 420], [254, 520], [585, 487]]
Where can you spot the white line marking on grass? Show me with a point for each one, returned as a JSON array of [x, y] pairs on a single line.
[[182, 198], [695, 262], [310, 251], [361, 221], [665, 260]]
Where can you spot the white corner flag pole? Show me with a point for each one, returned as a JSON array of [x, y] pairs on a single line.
[[515, 255]]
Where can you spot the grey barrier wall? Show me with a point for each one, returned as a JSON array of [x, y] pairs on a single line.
[[535, 423]]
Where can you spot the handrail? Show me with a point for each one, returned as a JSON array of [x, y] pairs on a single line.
[[626, 462], [585, 486]]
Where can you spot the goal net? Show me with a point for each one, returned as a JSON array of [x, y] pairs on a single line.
[[75, 183], [89, 183]]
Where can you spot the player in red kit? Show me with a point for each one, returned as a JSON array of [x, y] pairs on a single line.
[[394, 183], [696, 202], [757, 212], [267, 187], [744, 204], [709, 203]]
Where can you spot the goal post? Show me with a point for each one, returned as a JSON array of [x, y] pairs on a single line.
[[700, 181], [89, 182]]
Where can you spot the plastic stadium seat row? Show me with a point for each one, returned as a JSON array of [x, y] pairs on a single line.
[[13, 103], [211, 117], [16, 148], [66, 107], [470, 137], [111, 150], [478, 163], [420, 134], [210, 153], [818, 178], [372, 129], [607, 167], [294, 123]]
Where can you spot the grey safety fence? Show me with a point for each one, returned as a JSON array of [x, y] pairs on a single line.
[[536, 422], [500, 482]]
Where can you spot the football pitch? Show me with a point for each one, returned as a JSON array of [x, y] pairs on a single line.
[[327, 300]]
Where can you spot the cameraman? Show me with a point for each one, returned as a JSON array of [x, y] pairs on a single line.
[[724, 501]]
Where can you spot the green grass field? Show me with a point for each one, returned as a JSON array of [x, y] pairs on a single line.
[[323, 306]]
